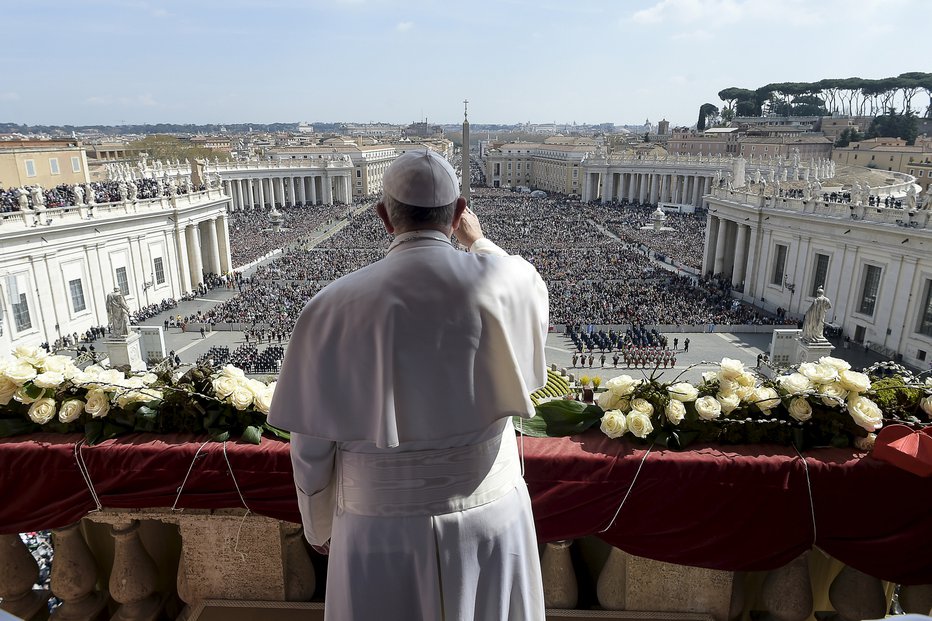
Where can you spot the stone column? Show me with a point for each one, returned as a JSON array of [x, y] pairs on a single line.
[[74, 576], [665, 188], [134, 577], [251, 194], [18, 572], [213, 245], [740, 255], [608, 188], [711, 234], [347, 190], [313, 195], [291, 194], [301, 195], [194, 255], [328, 189], [184, 267], [642, 194], [632, 187], [223, 234], [719, 264], [750, 277], [654, 188], [260, 183]]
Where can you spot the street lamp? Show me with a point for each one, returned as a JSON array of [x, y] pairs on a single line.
[[148, 285]]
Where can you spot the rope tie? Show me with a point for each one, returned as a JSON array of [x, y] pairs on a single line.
[[809, 490], [185, 481], [630, 487], [85, 474]]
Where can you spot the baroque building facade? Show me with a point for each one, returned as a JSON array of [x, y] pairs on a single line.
[[874, 262]]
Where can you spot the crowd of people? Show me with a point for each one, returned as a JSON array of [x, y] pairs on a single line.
[[246, 357], [598, 265]]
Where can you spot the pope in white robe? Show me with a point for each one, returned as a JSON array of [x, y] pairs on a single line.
[[398, 385]]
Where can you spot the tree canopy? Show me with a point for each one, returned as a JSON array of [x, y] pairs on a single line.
[[851, 96], [160, 147]]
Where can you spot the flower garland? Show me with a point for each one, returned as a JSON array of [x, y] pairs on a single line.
[[823, 403], [42, 392]]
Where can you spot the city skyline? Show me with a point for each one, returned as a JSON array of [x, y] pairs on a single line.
[[517, 61]]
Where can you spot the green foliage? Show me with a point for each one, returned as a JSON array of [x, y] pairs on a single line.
[[893, 124], [705, 111], [559, 418], [894, 397], [161, 147], [847, 136]]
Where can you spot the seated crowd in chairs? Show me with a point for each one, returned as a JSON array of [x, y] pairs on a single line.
[[246, 357]]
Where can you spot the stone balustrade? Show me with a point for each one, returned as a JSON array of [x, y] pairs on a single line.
[[153, 564]]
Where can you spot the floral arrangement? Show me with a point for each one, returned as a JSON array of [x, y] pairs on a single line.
[[823, 403], [42, 392]]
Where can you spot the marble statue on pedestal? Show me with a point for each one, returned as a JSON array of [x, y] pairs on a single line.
[[38, 198], [117, 313], [91, 195], [911, 196], [78, 192], [123, 191], [22, 199], [927, 201], [814, 320], [133, 190]]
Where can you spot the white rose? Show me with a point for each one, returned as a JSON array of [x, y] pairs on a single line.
[[642, 406], [852, 381], [49, 379], [7, 389], [683, 391], [110, 379], [98, 403], [255, 386], [766, 398], [264, 401], [134, 381], [708, 408], [729, 403], [728, 387], [865, 413], [746, 393], [622, 385], [925, 404], [241, 398], [20, 372], [32, 355], [42, 411], [22, 396], [639, 424], [93, 371], [675, 411], [819, 373], [800, 409], [795, 383], [56, 363], [837, 363], [70, 410], [833, 394], [128, 397], [746, 379], [731, 368], [149, 378], [232, 371], [614, 424], [224, 385], [710, 376]]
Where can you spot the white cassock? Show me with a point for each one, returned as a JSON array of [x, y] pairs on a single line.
[[398, 387]]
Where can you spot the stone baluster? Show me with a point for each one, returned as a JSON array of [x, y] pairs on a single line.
[[300, 579], [613, 581], [916, 599], [738, 596], [182, 586], [18, 573], [787, 592], [855, 596], [560, 587], [134, 576], [74, 577]]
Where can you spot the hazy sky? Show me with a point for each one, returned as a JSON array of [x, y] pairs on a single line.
[[593, 61]]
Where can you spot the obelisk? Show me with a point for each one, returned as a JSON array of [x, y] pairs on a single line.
[[464, 162]]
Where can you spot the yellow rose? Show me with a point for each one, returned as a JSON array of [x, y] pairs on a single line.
[[614, 424], [42, 411], [70, 410]]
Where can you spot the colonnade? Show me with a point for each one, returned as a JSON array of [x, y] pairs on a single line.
[[728, 251], [261, 192], [203, 248], [646, 187]]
